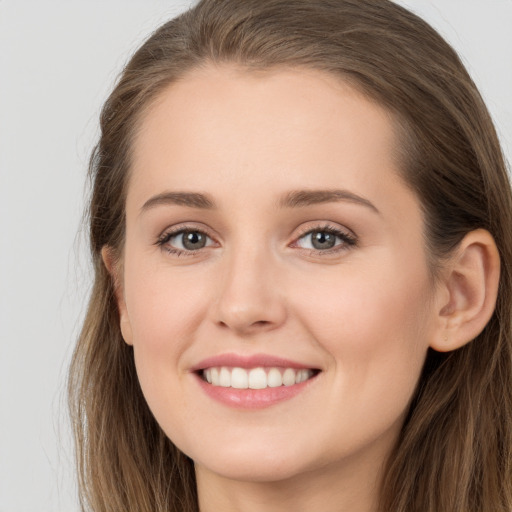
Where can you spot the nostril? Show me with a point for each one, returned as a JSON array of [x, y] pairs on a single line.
[[249, 317], [257, 323]]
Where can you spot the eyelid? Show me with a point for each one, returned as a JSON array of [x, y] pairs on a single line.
[[324, 226], [347, 236], [176, 230]]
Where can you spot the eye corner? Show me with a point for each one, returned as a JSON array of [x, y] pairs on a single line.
[[331, 240], [199, 239]]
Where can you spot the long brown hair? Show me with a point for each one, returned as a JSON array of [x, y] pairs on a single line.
[[455, 449]]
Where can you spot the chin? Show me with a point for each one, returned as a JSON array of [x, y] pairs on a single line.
[[254, 464], [255, 471]]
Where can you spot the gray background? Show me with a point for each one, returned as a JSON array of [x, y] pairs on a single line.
[[58, 60]]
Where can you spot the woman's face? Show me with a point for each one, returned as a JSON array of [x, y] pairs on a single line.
[[270, 239]]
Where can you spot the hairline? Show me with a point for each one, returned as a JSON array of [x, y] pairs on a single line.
[[403, 150]]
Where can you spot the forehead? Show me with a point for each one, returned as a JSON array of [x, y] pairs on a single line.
[[288, 128]]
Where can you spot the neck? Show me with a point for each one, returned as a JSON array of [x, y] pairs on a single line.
[[343, 487]]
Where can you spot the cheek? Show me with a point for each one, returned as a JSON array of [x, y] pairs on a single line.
[[163, 307], [375, 327], [361, 310], [164, 313]]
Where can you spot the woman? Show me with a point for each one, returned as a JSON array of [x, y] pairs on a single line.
[[301, 231]]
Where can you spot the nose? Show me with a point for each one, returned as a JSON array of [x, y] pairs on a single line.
[[250, 299]]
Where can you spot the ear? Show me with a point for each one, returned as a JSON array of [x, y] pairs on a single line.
[[468, 291], [113, 267]]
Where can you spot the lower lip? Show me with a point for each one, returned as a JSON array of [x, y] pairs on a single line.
[[252, 398]]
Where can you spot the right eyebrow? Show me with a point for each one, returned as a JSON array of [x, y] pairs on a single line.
[[190, 199]]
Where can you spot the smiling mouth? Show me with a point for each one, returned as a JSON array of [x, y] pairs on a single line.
[[255, 378]]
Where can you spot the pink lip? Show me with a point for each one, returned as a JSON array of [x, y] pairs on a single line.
[[253, 361], [250, 398]]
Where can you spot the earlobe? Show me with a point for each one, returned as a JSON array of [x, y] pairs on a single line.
[[469, 291], [113, 268]]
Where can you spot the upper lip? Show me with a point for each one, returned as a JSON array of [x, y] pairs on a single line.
[[251, 361]]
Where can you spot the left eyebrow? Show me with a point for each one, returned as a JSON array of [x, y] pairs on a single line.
[[299, 198]]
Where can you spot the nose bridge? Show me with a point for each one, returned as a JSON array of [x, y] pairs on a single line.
[[250, 298]]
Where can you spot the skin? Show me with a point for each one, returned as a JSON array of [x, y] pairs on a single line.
[[364, 314]]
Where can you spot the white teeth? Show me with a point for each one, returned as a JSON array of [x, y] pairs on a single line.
[[301, 376], [289, 377], [239, 378], [225, 378], [256, 378], [274, 379]]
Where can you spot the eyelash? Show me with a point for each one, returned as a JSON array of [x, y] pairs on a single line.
[[348, 240], [166, 236]]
